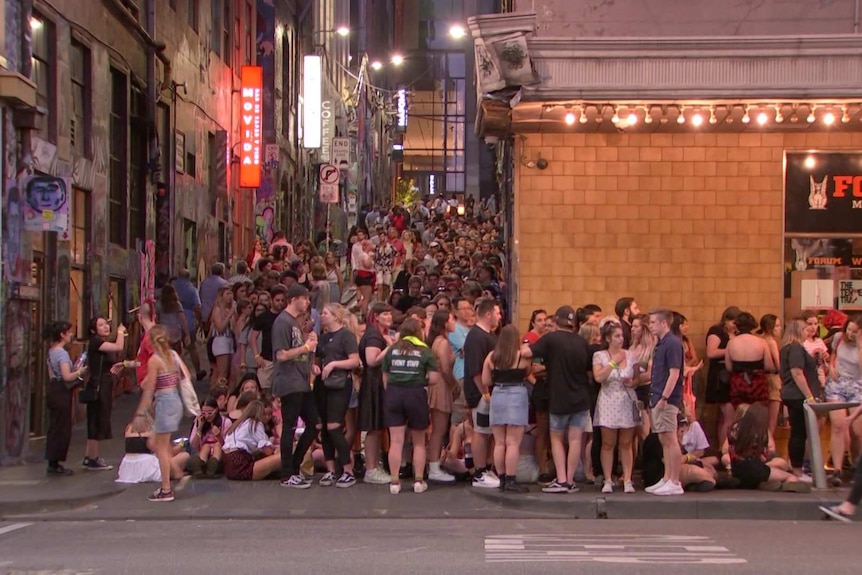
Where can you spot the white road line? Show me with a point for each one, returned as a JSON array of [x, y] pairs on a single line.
[[13, 527], [625, 549]]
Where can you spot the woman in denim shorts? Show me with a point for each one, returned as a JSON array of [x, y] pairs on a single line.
[[844, 386], [161, 392]]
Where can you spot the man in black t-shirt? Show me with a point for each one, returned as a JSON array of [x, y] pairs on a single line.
[[479, 343], [262, 326], [567, 362], [626, 309]]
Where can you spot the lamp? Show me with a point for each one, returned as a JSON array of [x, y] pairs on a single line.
[[457, 31]]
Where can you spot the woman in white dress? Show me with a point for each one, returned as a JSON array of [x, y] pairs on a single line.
[[616, 370]]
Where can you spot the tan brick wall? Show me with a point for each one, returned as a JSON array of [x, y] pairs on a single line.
[[688, 221]]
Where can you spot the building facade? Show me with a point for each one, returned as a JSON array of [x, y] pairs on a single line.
[[136, 111], [673, 159]]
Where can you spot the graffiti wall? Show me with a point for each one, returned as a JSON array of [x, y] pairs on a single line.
[[15, 395]]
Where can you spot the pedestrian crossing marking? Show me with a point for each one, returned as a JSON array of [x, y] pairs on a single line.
[[616, 548]]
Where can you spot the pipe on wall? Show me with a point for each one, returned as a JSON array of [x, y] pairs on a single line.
[[158, 48]]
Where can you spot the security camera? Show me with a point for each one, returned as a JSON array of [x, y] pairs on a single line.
[[542, 163]]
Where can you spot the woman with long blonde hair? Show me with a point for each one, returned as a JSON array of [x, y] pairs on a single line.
[[161, 393], [642, 346]]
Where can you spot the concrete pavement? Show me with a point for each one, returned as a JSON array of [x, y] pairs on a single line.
[[26, 492], [399, 546]]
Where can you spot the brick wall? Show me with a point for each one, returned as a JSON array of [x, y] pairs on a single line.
[[688, 221]]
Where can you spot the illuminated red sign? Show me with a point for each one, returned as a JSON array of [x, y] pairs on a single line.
[[251, 131]]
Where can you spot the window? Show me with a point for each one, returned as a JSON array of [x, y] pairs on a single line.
[[166, 161], [215, 32], [226, 45], [78, 280], [191, 164], [190, 244], [117, 301], [118, 200], [42, 31], [194, 9], [222, 242], [248, 17], [81, 101], [138, 154], [237, 34]]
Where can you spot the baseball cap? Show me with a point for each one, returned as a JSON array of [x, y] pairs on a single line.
[[297, 290], [565, 316]]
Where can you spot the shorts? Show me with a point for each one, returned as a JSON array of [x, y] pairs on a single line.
[[774, 386], [664, 419], [406, 405], [168, 408], [264, 374], [579, 420], [540, 397], [222, 345], [843, 390], [750, 471], [481, 415], [510, 405], [364, 278], [460, 411]]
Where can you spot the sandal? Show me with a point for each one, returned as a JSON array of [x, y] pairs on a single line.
[[835, 513]]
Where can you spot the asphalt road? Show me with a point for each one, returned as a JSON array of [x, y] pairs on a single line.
[[388, 546]]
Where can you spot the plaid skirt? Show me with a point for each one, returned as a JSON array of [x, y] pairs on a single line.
[[238, 465]]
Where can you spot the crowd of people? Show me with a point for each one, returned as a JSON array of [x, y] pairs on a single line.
[[387, 359]]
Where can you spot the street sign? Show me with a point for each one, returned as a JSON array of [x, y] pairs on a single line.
[[328, 183], [341, 153]]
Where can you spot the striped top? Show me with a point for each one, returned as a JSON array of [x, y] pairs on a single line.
[[167, 380]]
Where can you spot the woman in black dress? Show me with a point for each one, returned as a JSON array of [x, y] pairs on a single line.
[[99, 361], [372, 348], [718, 378]]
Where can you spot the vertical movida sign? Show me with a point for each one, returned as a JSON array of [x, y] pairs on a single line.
[[312, 96], [823, 193], [251, 134]]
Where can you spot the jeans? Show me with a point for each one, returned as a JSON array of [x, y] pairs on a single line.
[[798, 433], [332, 407], [293, 406]]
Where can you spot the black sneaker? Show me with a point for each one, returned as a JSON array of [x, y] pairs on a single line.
[[296, 481], [515, 487], [97, 464], [545, 479], [346, 480], [556, 487], [60, 470]]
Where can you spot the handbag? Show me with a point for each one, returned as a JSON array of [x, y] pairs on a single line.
[[90, 391], [187, 389], [336, 380]]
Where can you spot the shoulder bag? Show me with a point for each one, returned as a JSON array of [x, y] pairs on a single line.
[[186, 388], [90, 391]]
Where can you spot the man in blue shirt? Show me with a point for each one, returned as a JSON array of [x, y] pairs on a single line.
[[666, 399], [190, 299]]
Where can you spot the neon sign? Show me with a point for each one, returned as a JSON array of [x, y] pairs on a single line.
[[251, 129]]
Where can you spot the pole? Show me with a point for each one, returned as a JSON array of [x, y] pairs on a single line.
[[326, 231]]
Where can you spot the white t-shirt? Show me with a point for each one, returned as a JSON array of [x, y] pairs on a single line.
[[694, 439]]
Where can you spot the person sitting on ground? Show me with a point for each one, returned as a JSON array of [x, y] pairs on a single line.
[[248, 384], [248, 452], [140, 464], [207, 439], [220, 394], [748, 443], [696, 473]]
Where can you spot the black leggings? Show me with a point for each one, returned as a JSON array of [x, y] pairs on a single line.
[[332, 408], [798, 433]]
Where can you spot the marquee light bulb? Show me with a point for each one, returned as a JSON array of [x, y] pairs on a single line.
[[809, 162], [762, 118], [829, 118], [570, 118], [697, 120], [810, 119], [632, 119]]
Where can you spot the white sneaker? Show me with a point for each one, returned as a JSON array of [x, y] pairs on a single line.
[[669, 488], [376, 477], [805, 478], [394, 488], [437, 475], [628, 487], [656, 487], [486, 480], [327, 480], [608, 487], [420, 487]]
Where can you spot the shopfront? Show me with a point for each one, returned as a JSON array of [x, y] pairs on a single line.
[[655, 168]]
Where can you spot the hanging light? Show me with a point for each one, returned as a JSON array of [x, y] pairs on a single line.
[[746, 118], [615, 118], [570, 118], [397, 59], [778, 117], [829, 118], [845, 117], [457, 31], [810, 162], [680, 119], [697, 120], [762, 118], [583, 118], [343, 31], [712, 118], [811, 118], [632, 119], [648, 116], [376, 65]]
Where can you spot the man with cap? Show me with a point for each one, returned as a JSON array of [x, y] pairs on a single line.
[[567, 362], [290, 382]]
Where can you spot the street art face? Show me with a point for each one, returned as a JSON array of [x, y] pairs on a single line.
[[264, 224], [46, 194]]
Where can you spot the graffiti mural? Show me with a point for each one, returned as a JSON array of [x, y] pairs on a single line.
[[47, 206], [266, 60], [148, 270], [264, 220], [17, 327], [63, 284], [15, 266], [163, 231]]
